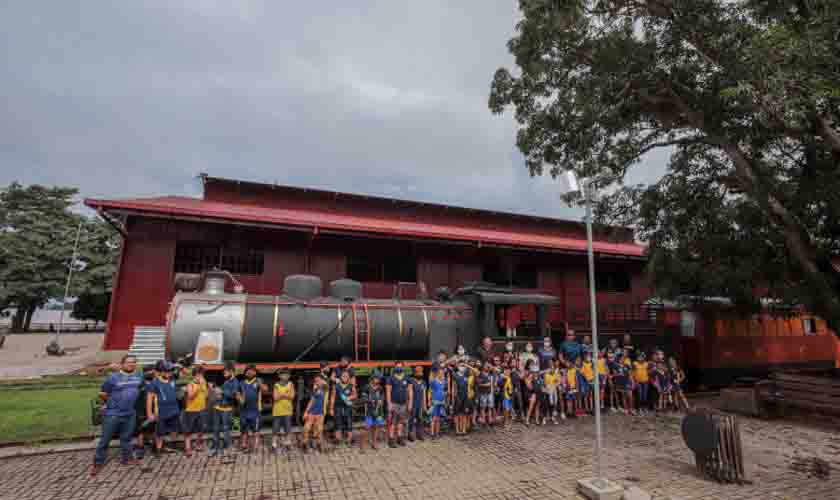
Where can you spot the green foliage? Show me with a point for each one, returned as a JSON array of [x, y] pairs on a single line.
[[92, 307], [746, 95], [37, 234]]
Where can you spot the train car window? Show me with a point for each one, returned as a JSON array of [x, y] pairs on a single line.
[[687, 322], [810, 326]]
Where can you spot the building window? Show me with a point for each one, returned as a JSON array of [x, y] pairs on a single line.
[[810, 326], [493, 272], [525, 275], [612, 281], [510, 272], [242, 260], [382, 269], [196, 258]]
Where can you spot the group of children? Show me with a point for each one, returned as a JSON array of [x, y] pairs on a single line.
[[460, 392]]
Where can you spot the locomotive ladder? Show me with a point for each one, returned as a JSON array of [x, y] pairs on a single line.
[[361, 326]]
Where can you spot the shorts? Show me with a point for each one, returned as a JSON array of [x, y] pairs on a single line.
[[167, 425], [281, 424], [571, 395], [469, 405], [343, 419], [398, 413], [584, 386], [507, 404], [485, 401], [371, 422], [194, 421], [249, 423], [460, 406], [438, 409]]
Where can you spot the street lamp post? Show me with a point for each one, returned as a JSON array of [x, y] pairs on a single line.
[[588, 195], [67, 285], [597, 488]]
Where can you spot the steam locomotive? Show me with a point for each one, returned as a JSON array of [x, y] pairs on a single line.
[[302, 326]]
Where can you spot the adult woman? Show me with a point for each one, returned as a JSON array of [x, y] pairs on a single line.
[[528, 355]]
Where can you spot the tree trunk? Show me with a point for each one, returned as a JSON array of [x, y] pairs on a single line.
[[17, 320], [30, 311]]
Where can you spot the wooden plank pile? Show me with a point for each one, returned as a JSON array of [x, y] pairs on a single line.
[[795, 390]]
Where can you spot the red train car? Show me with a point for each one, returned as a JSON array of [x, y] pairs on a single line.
[[718, 345]]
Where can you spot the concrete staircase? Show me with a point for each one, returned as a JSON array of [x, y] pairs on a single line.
[[149, 344]]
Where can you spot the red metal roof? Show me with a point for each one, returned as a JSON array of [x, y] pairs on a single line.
[[380, 224]]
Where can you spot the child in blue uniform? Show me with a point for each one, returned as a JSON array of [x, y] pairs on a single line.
[[662, 381], [162, 405], [437, 398], [485, 395], [677, 380], [418, 407], [341, 400], [374, 410], [313, 417], [249, 415]]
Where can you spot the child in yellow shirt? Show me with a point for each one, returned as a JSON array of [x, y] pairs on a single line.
[[641, 379], [587, 377]]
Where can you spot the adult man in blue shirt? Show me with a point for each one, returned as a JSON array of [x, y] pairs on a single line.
[[571, 348], [120, 391]]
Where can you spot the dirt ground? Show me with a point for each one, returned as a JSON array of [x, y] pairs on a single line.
[[23, 355]]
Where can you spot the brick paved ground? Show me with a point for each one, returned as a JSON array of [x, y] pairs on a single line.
[[509, 464]]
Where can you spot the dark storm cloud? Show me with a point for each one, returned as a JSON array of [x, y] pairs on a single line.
[[378, 97]]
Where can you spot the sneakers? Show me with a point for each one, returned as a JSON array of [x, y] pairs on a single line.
[[562, 416], [392, 443], [401, 442], [94, 470], [420, 437], [554, 420]]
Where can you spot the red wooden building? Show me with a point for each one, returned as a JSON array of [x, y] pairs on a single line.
[[262, 233]]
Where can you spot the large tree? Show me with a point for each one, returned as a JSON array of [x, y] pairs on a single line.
[[37, 234], [746, 96]]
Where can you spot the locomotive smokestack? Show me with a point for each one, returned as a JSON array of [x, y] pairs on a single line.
[[214, 283]]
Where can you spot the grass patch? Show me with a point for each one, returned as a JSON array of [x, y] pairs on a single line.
[[27, 416]]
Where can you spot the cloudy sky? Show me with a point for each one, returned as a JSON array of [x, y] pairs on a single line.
[[377, 97]]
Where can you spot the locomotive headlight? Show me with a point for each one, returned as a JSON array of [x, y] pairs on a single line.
[[208, 348]]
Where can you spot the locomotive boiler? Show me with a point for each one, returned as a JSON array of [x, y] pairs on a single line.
[[303, 324]]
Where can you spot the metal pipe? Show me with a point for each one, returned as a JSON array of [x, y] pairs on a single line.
[[587, 193], [67, 286]]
